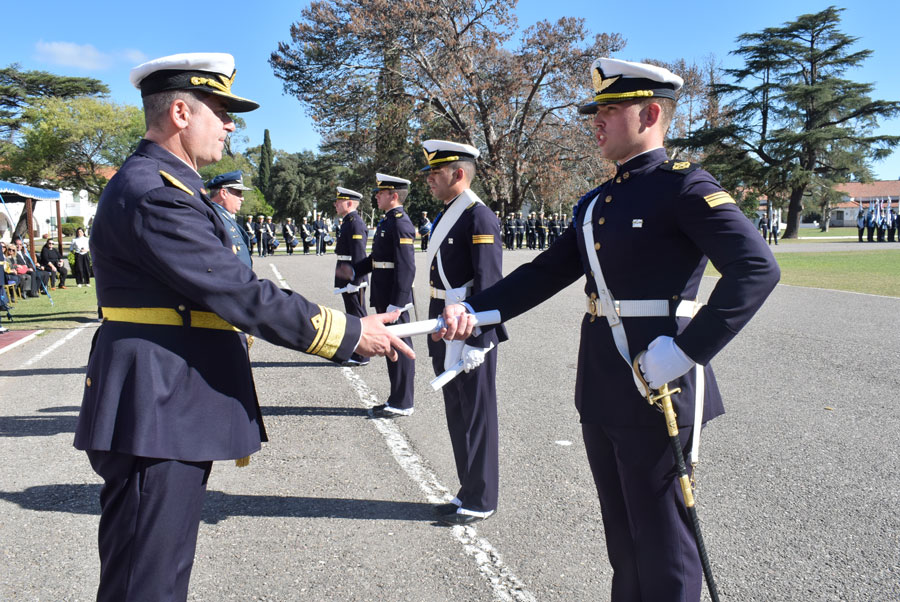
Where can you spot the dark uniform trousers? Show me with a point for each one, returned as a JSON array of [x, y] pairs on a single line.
[[150, 515], [402, 372], [355, 303], [470, 401], [668, 566]]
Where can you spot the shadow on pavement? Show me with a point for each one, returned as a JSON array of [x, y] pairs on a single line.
[[312, 411], [85, 499]]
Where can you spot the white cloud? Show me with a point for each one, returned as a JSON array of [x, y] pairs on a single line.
[[85, 56]]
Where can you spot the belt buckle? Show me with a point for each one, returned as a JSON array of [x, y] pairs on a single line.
[[592, 306]]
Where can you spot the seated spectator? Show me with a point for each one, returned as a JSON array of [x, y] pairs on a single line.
[[53, 262], [82, 266], [24, 267]]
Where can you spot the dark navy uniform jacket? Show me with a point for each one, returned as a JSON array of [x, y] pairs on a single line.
[[394, 238], [471, 251], [179, 392], [351, 243], [654, 226], [240, 239]]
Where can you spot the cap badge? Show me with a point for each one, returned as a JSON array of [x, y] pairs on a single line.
[[429, 156], [224, 86], [601, 83]]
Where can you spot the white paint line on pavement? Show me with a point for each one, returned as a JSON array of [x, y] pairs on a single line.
[[506, 586], [834, 290], [563, 443], [57, 344], [281, 281], [21, 341]]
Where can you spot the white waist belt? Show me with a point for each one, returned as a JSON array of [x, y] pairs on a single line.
[[344, 258], [645, 308], [384, 265], [437, 293]]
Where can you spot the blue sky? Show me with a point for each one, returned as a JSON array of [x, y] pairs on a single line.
[[105, 39]]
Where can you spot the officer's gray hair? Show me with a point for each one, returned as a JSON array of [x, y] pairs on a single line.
[[402, 193], [156, 106]]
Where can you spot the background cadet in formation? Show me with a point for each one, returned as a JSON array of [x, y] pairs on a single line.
[[173, 295], [81, 248], [637, 241], [530, 232], [465, 257], [307, 235], [350, 248], [764, 227], [870, 226], [424, 229], [509, 232], [262, 242], [393, 268], [51, 261], [227, 192], [250, 229], [289, 235], [271, 239], [540, 227], [860, 223], [520, 230], [891, 217], [321, 233]]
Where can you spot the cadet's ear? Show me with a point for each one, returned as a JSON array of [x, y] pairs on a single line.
[[652, 113]]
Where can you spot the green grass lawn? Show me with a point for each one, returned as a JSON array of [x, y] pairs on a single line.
[[71, 307], [832, 232], [873, 272]]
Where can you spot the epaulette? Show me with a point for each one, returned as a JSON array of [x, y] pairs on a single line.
[[682, 167], [585, 199], [173, 181], [398, 214], [469, 208]]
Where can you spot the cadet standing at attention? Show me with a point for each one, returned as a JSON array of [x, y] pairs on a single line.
[[465, 257], [641, 240], [350, 248], [393, 267], [227, 192], [168, 387]]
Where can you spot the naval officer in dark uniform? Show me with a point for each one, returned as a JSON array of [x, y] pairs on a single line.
[[393, 268], [465, 257], [227, 192], [350, 248], [168, 388], [641, 240]]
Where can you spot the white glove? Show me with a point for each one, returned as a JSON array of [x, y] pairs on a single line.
[[352, 288], [664, 362], [472, 357]]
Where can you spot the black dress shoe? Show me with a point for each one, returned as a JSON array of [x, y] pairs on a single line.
[[381, 411], [442, 509], [461, 519]]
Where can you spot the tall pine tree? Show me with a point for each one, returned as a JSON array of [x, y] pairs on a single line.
[[265, 166], [794, 124]]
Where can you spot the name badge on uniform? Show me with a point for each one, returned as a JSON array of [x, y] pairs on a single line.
[[637, 223]]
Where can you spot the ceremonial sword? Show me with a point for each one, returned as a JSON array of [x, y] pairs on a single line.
[[663, 401], [482, 318]]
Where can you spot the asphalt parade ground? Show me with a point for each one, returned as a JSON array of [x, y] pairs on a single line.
[[798, 486]]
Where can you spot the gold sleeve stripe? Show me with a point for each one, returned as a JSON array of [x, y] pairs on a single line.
[[330, 327], [718, 198], [483, 239], [357, 237], [174, 182], [406, 241]]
